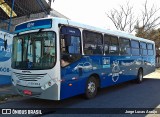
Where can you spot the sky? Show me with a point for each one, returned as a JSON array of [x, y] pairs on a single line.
[[93, 12]]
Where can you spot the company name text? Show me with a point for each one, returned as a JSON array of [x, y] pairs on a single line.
[[4, 69]]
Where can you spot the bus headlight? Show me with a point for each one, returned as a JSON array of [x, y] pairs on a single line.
[[50, 83]]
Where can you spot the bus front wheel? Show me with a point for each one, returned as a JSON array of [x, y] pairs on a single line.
[[139, 76], [91, 88]]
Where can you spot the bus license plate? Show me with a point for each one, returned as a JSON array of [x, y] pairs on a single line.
[[27, 92]]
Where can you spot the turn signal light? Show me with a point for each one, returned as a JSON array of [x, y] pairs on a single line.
[[70, 84]]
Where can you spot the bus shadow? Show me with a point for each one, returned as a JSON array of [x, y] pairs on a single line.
[[148, 86], [124, 95]]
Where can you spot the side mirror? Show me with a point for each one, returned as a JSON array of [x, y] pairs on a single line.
[[5, 42], [67, 39], [62, 36]]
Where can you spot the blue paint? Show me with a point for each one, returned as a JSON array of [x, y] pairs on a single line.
[[5, 55], [115, 70], [4, 80], [5, 58], [33, 25]]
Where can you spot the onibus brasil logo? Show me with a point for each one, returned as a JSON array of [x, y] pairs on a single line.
[[115, 71], [5, 54]]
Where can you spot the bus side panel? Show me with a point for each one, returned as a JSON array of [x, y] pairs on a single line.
[[73, 80], [123, 68], [149, 64], [110, 69], [75, 76], [72, 88]]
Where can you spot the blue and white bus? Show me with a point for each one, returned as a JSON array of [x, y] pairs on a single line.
[[55, 58]]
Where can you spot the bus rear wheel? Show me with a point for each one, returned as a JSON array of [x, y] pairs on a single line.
[[91, 88], [139, 76]]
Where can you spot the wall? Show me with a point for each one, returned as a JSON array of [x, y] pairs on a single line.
[[5, 58]]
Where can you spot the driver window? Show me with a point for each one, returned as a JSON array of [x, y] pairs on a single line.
[[70, 45]]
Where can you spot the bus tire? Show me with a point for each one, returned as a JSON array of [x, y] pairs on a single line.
[[139, 76], [91, 88]]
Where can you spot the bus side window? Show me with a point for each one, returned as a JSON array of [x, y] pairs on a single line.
[[93, 43], [124, 46], [150, 49], [74, 47], [70, 40], [135, 47], [114, 46], [143, 48], [70, 45], [64, 44], [106, 43]]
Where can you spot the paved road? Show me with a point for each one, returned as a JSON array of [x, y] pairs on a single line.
[[126, 95]]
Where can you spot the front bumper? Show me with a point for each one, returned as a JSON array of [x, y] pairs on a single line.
[[50, 93]]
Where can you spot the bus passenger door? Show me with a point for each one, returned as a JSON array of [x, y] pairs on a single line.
[[70, 39]]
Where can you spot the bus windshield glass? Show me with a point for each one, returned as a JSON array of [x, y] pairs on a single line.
[[34, 51]]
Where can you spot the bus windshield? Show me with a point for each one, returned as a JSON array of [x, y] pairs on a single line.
[[34, 51]]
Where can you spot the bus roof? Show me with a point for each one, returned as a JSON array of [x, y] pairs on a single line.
[[101, 30], [92, 28]]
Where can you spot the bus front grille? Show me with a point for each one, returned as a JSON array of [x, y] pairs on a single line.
[[29, 77]]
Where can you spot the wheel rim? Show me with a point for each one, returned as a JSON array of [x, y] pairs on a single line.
[[91, 87]]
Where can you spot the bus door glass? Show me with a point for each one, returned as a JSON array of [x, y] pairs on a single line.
[[70, 45]]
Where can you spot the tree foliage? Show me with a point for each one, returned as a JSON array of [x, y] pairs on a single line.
[[145, 25], [123, 18], [149, 21]]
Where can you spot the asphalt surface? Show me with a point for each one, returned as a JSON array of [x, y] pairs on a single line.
[[126, 95], [6, 89]]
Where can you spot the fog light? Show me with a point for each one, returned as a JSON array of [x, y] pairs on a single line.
[[49, 83]]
